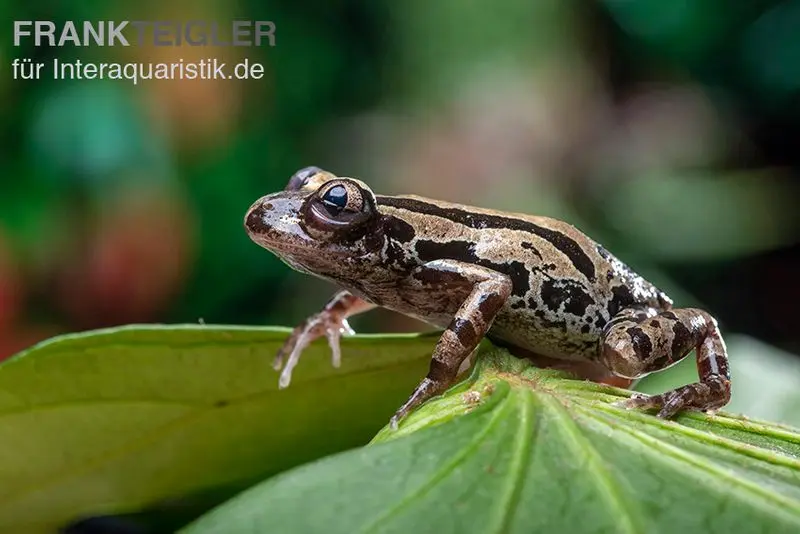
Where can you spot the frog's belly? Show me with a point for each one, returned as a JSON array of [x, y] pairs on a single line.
[[560, 339], [555, 333], [554, 341]]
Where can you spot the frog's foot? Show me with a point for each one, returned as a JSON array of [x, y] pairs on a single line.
[[700, 396], [641, 341], [332, 325], [425, 390]]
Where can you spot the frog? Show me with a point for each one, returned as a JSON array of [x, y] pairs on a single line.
[[535, 285]]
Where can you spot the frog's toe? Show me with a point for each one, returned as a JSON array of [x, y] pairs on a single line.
[[639, 401], [277, 362], [323, 324], [286, 375], [394, 422], [668, 404], [300, 339], [346, 329], [284, 351], [688, 397], [334, 332], [334, 335], [287, 347]]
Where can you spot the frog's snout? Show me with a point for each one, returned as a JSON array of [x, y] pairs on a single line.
[[255, 221], [273, 221]]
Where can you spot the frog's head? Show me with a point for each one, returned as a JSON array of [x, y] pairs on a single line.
[[319, 223]]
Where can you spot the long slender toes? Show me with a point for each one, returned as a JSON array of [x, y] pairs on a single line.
[[300, 339], [652, 402], [685, 397], [698, 396], [331, 322], [639, 401], [289, 345], [321, 324]]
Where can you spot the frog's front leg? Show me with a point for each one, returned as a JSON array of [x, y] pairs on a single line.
[[639, 341], [484, 292], [331, 322]]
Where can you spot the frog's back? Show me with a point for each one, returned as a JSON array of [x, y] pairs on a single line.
[[565, 286]]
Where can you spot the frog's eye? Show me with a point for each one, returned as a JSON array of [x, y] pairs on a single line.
[[301, 178], [338, 205], [337, 199]]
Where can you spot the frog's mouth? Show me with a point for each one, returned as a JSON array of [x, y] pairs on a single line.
[[281, 243], [283, 236]]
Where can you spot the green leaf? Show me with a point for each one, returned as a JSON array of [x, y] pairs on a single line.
[[537, 452], [117, 420]]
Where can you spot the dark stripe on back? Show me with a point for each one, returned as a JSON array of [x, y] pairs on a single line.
[[565, 244], [463, 251]]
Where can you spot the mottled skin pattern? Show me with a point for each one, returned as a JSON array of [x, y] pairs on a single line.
[[536, 285]]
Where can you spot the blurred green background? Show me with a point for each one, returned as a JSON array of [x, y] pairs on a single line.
[[667, 130]]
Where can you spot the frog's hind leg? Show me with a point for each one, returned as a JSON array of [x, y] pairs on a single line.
[[640, 341]]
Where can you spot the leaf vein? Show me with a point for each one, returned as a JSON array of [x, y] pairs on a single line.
[[441, 473], [700, 463], [516, 471], [627, 519]]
